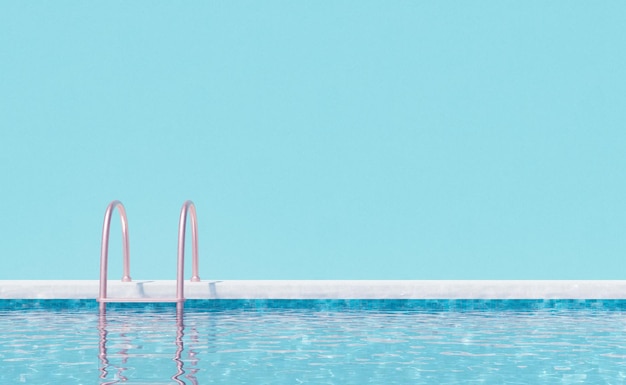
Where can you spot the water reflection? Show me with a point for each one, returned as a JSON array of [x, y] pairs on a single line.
[[112, 374]]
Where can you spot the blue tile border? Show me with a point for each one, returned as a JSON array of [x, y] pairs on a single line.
[[383, 305]]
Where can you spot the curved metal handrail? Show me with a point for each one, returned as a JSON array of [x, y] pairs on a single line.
[[188, 206], [104, 250]]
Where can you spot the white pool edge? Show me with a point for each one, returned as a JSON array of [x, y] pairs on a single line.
[[321, 289]]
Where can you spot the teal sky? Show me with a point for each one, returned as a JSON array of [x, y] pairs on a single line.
[[318, 139]]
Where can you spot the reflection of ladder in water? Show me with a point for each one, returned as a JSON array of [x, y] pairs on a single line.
[[188, 206]]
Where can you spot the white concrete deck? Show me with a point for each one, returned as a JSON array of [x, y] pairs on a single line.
[[215, 289]]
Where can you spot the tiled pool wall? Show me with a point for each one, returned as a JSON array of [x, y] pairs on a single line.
[[328, 305]]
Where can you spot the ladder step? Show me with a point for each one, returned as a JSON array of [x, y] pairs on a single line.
[[150, 300]]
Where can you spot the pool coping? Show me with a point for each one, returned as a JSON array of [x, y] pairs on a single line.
[[320, 289]]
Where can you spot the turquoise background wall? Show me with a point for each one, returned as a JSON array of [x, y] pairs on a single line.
[[318, 139]]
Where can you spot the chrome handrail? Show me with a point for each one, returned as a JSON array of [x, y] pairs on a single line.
[[104, 250], [188, 207]]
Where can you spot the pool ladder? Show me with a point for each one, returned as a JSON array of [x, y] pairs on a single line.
[[188, 207]]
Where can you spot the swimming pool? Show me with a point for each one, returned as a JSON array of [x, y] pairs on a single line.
[[315, 342], [316, 332]]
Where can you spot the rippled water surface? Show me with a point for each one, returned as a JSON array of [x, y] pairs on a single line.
[[300, 346]]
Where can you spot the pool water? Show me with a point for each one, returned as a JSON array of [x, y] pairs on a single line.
[[313, 345]]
